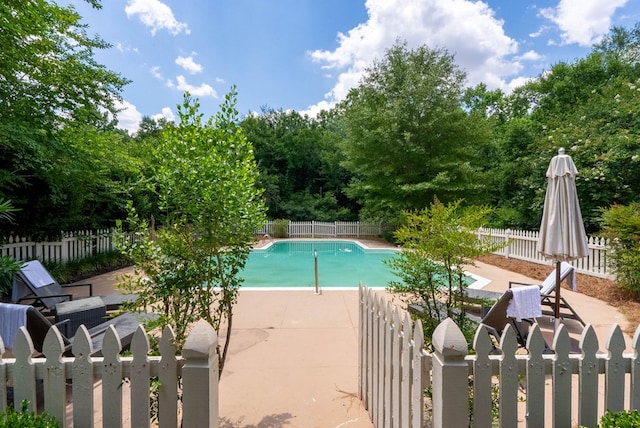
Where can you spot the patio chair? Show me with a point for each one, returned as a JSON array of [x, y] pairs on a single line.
[[38, 326], [34, 284], [548, 292], [496, 320]]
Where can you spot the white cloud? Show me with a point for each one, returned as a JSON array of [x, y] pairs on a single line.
[[518, 82], [155, 15], [203, 90], [189, 64], [166, 113], [314, 110], [529, 56], [583, 22], [155, 72], [468, 29], [125, 48], [129, 117]]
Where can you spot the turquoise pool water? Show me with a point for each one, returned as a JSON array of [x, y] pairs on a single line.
[[340, 264]]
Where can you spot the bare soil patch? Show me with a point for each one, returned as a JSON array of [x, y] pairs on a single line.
[[599, 288]]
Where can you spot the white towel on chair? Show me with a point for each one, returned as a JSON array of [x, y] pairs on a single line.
[[525, 303], [12, 317]]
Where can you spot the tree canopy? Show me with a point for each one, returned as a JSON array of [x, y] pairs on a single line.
[[407, 137], [410, 130], [49, 81]]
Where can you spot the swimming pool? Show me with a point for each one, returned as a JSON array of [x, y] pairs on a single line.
[[291, 264]]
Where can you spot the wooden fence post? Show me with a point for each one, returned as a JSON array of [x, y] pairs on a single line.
[[200, 377], [450, 377]]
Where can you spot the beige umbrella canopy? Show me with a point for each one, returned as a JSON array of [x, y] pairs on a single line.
[[562, 236]]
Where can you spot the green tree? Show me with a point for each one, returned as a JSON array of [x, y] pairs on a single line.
[[438, 241], [407, 136], [205, 177], [48, 80], [590, 107], [298, 159]]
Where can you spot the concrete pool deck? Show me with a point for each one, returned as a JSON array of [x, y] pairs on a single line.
[[293, 358]]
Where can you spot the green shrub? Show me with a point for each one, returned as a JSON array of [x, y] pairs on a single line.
[[75, 270], [8, 268], [627, 419], [26, 419], [621, 225], [280, 228]]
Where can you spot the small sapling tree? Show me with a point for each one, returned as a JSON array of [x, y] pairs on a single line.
[[188, 267], [438, 242]]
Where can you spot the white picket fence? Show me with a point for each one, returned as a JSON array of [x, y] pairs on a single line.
[[522, 244], [71, 246], [319, 229], [534, 389], [197, 369]]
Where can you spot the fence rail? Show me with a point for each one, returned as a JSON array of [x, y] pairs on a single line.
[[534, 389], [197, 368]]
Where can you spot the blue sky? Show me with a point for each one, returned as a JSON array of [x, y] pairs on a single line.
[[305, 55]]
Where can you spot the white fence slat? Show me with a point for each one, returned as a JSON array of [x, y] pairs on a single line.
[[168, 377], [388, 355], [561, 375], [588, 378], [615, 371], [111, 380], [380, 352], [82, 385], [375, 363], [405, 384], [396, 369], [362, 384], [371, 340], [482, 376], [140, 372], [24, 370], [535, 378], [508, 381], [55, 377], [417, 391]]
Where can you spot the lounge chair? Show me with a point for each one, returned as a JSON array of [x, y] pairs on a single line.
[[548, 292], [496, 320], [34, 284], [38, 326]]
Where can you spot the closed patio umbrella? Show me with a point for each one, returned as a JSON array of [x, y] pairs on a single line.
[[562, 236]]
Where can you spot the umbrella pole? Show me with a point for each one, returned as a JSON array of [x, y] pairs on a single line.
[[557, 306]]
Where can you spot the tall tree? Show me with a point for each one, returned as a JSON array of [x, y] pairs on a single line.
[[48, 79], [407, 136], [299, 166], [589, 107]]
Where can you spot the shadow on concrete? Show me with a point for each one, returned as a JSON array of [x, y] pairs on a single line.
[[269, 421]]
